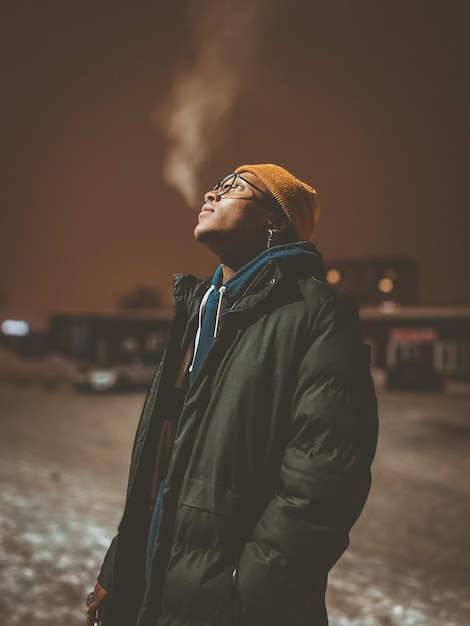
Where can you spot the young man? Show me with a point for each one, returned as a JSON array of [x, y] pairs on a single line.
[[252, 457]]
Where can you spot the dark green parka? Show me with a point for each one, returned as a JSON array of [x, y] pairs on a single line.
[[270, 466]]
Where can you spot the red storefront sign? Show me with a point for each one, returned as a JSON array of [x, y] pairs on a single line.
[[399, 334]]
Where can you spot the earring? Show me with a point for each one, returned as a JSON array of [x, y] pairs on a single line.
[[270, 237]]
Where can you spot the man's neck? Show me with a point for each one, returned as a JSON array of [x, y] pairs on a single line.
[[232, 263], [227, 272]]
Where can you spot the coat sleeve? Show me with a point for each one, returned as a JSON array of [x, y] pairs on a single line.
[[324, 474], [105, 577]]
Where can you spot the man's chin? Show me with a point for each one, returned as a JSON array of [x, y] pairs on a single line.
[[201, 235]]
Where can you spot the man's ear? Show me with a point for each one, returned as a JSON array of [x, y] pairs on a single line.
[[278, 222]]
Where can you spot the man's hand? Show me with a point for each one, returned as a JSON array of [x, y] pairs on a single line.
[[97, 596]]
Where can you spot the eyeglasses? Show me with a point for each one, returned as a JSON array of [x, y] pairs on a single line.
[[230, 184]]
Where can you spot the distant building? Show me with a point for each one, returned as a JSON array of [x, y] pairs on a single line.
[[376, 280], [419, 347], [415, 347]]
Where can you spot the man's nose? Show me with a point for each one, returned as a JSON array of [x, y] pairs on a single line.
[[211, 196]]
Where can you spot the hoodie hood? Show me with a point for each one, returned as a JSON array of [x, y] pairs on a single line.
[[221, 297]]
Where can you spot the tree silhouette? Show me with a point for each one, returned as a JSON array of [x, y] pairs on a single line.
[[141, 297]]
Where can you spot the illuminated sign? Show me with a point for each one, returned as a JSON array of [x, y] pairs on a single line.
[[412, 335]]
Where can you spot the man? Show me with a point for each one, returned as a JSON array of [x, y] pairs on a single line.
[[252, 457]]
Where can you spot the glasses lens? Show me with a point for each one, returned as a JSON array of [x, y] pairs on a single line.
[[224, 185]]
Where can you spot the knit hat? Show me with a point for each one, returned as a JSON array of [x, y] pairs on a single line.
[[297, 199]]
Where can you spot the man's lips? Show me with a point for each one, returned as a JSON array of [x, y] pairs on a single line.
[[206, 209]]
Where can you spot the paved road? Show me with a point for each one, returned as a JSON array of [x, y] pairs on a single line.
[[63, 467]]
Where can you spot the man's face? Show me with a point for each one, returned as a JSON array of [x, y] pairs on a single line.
[[236, 213]]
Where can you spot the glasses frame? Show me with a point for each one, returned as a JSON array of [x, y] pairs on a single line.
[[235, 176]]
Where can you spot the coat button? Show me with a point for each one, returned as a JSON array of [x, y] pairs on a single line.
[[272, 281]]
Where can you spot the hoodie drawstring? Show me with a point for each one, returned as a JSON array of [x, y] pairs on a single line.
[[220, 310], [202, 309]]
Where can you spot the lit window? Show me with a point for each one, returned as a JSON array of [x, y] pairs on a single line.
[[387, 306], [129, 345], [19, 328], [385, 285], [333, 277], [153, 342]]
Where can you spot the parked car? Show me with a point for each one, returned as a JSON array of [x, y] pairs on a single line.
[[116, 351]]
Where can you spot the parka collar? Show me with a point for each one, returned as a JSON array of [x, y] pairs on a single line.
[[273, 276]]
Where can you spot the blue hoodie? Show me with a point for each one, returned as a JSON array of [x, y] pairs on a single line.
[[220, 297]]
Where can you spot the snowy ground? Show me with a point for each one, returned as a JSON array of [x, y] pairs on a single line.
[[63, 465]]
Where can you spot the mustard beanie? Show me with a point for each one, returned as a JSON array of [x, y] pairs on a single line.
[[297, 199]]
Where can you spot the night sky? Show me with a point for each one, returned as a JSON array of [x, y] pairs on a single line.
[[108, 104]]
